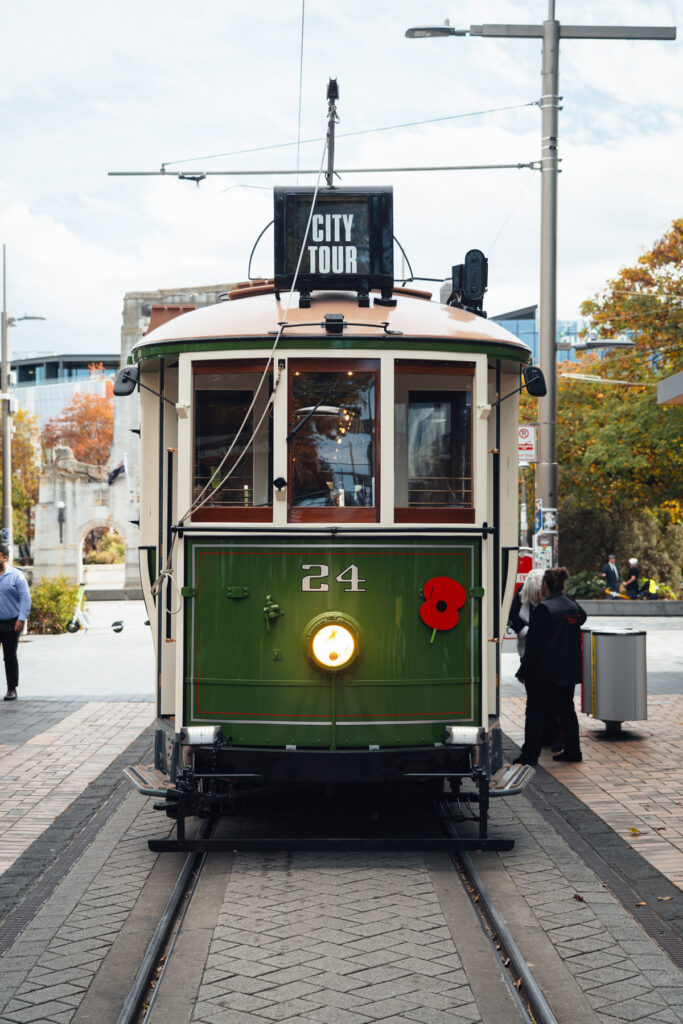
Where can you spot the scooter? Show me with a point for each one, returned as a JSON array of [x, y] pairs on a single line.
[[81, 618]]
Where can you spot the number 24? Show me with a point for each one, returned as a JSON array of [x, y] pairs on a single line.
[[349, 575]]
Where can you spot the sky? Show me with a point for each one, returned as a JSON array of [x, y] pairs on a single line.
[[87, 88]]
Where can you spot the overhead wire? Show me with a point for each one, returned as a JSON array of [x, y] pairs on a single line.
[[346, 135]]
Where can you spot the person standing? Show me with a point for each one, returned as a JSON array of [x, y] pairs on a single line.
[[611, 575], [551, 668], [631, 584], [15, 604]]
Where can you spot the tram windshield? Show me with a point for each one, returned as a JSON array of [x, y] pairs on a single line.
[[222, 401], [332, 438], [433, 427]]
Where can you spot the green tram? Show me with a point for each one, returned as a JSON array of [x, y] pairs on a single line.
[[328, 527]]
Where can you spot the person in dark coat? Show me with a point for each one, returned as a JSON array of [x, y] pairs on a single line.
[[551, 668], [524, 603], [632, 579], [611, 575]]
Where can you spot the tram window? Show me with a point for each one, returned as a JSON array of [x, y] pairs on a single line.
[[332, 447], [433, 432], [221, 403]]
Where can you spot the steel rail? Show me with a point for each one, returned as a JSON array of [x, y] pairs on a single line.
[[130, 1011], [540, 1008]]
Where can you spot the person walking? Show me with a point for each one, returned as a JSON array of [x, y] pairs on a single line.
[[611, 575], [551, 668], [15, 604], [631, 583]]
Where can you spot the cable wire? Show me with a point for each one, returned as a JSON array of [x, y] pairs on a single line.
[[346, 135]]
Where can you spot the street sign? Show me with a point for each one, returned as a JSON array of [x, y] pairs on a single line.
[[526, 442]]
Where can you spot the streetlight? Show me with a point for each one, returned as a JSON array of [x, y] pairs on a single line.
[[550, 32], [7, 322]]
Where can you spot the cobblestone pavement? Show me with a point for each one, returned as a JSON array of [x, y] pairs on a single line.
[[46, 973], [342, 938], [41, 776], [547, 889], [634, 784]]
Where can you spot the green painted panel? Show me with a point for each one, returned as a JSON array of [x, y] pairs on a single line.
[[249, 669]]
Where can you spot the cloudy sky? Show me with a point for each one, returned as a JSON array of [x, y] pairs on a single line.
[[88, 87]]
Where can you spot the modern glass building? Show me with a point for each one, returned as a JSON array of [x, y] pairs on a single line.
[[524, 324]]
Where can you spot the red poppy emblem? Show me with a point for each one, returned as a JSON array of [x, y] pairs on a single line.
[[443, 597]]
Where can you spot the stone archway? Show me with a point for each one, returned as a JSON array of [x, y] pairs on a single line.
[[102, 556]]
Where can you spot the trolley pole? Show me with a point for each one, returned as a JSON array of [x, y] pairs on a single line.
[[550, 32]]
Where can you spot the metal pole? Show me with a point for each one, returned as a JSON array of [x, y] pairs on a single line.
[[523, 521], [546, 469], [6, 420]]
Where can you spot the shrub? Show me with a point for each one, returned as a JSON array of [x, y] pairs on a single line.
[[52, 604], [586, 584]]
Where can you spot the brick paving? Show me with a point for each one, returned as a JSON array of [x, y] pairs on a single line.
[[41, 776], [635, 785], [51, 965], [333, 939], [622, 973]]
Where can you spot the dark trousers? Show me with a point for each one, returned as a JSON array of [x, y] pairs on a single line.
[[545, 698], [10, 640]]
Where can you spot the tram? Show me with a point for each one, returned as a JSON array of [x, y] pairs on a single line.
[[328, 521]]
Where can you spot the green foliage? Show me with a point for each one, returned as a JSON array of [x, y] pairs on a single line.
[[109, 550], [587, 536], [620, 454], [585, 584], [53, 601]]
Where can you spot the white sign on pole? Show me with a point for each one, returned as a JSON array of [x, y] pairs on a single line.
[[526, 442]]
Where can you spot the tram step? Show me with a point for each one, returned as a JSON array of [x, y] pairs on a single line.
[[148, 780], [511, 780]]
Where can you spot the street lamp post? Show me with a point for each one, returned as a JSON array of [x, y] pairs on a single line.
[[7, 322], [550, 32]]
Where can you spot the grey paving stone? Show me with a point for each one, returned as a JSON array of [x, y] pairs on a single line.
[[287, 1010], [618, 991], [391, 988], [240, 1001], [630, 1010], [466, 1014], [295, 990], [336, 1015]]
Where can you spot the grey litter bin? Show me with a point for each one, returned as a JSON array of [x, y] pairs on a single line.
[[614, 676]]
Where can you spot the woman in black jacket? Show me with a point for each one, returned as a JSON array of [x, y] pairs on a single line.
[[551, 667]]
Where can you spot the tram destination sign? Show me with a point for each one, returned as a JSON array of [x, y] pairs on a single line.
[[349, 245]]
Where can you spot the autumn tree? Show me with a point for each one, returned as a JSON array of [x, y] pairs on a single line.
[[25, 472], [620, 454], [86, 425]]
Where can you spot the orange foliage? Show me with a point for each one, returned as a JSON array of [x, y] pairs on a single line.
[[86, 425]]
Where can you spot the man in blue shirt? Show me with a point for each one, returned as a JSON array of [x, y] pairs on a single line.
[[15, 604]]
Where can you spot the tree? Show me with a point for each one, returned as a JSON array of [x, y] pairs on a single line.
[[86, 425], [620, 454], [25, 472]]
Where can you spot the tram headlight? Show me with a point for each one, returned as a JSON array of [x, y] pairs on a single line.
[[332, 641]]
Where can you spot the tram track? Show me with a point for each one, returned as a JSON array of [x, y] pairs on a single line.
[[158, 960]]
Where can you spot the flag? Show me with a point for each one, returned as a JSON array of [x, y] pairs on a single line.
[[116, 473]]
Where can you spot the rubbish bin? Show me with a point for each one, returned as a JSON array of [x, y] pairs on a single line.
[[614, 685]]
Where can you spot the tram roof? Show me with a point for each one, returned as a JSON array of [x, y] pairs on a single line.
[[254, 316]]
